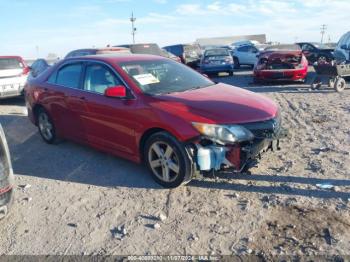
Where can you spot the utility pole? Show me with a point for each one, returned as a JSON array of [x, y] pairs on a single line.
[[323, 31], [133, 28]]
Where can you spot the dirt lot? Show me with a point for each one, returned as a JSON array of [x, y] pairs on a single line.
[[71, 199]]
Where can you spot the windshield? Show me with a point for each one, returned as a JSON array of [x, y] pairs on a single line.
[[217, 52], [156, 77], [10, 63]]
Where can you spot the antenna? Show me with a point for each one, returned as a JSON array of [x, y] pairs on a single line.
[[323, 31], [133, 28]]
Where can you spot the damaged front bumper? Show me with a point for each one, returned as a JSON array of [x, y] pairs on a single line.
[[212, 156]]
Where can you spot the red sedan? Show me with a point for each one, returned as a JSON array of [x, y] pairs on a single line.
[[281, 62], [152, 109]]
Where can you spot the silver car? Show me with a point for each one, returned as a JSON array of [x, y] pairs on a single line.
[[13, 76]]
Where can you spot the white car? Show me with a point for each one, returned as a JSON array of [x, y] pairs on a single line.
[[245, 55], [342, 51], [13, 76]]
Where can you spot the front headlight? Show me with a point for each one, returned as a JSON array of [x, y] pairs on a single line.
[[224, 133]]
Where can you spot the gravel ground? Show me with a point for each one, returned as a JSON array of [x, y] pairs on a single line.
[[71, 199]]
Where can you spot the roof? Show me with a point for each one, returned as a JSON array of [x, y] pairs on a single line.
[[119, 57], [12, 56]]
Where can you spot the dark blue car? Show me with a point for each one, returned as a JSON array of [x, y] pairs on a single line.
[[217, 60]]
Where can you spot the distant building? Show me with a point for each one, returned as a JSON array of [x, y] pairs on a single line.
[[228, 40]]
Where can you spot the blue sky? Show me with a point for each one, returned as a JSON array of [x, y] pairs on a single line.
[[39, 27]]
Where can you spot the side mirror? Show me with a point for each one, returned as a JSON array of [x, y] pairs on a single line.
[[116, 91]]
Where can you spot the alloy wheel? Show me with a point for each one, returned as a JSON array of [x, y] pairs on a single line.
[[45, 126], [164, 161]]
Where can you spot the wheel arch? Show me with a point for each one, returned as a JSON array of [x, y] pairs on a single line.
[[36, 109], [147, 134]]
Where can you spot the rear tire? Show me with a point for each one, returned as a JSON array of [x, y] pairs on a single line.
[[46, 126], [167, 160]]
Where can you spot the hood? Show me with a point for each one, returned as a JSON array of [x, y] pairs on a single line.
[[280, 60], [280, 54], [218, 104]]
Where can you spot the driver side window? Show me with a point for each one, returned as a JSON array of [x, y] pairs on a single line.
[[98, 78]]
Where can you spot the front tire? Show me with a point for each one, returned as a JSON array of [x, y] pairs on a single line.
[[167, 160], [46, 126]]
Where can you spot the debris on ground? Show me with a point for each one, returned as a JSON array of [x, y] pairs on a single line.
[[162, 217], [119, 232], [156, 226], [325, 186]]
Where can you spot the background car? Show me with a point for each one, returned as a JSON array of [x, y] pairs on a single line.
[[281, 62], [189, 54], [153, 109], [245, 54], [97, 51], [167, 54], [342, 51], [148, 48], [13, 76], [217, 60], [38, 66], [316, 51], [6, 176]]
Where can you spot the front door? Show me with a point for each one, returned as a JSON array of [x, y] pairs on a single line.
[[109, 122]]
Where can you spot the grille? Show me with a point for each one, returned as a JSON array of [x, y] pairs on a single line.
[[265, 129]]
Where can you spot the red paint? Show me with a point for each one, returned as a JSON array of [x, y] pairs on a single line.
[[117, 125], [116, 91], [5, 190], [234, 157], [299, 73]]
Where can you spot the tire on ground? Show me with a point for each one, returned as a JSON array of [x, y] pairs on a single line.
[[186, 170]]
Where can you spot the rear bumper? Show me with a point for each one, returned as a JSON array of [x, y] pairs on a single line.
[[271, 75], [216, 68], [12, 87]]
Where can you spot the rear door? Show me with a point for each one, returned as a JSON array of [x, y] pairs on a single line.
[[252, 55], [70, 106], [109, 122], [242, 54]]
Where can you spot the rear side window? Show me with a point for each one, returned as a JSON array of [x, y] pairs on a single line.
[[69, 75], [10, 63]]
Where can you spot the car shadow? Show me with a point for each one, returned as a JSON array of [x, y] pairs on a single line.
[[228, 183], [19, 101]]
